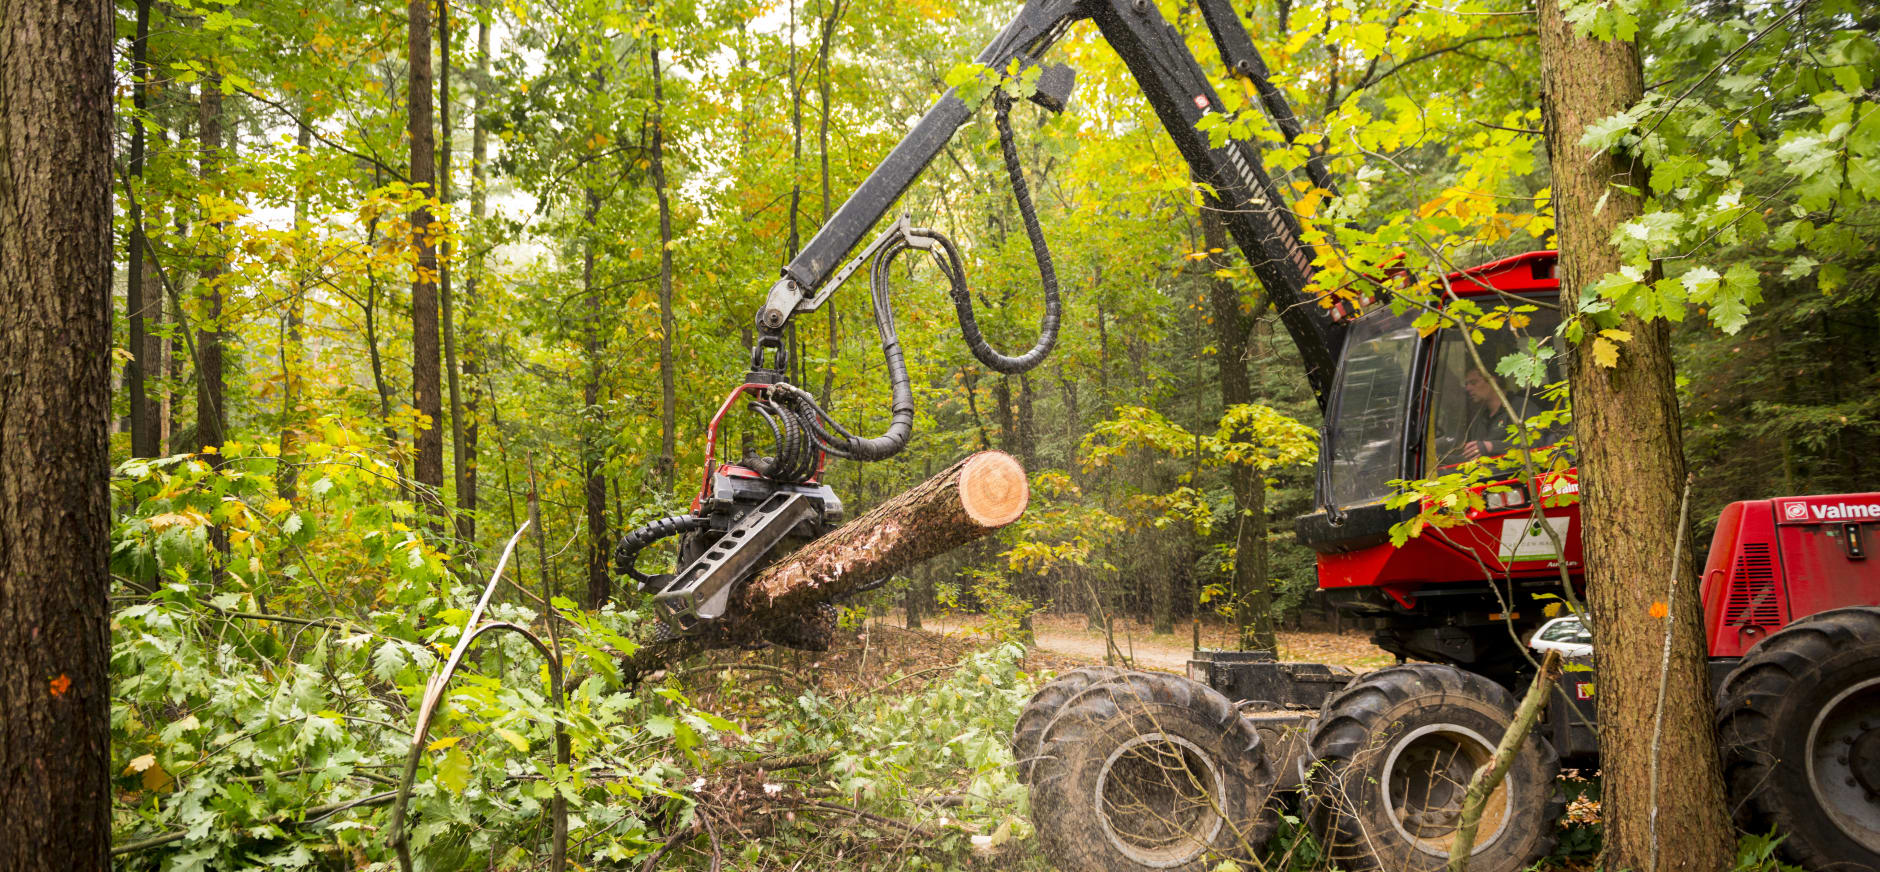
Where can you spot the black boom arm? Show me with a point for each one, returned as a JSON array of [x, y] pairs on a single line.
[[1181, 95]]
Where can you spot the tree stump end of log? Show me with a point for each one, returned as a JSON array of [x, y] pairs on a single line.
[[993, 489]]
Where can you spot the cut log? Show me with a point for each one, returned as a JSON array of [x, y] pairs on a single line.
[[967, 501], [970, 499]]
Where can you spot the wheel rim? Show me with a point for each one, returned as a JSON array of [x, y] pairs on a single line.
[[1424, 780], [1844, 762], [1160, 799]]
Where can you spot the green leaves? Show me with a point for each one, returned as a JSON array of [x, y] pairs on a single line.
[[453, 770]]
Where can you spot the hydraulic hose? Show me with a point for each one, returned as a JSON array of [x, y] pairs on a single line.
[[800, 427], [627, 552], [1047, 272]]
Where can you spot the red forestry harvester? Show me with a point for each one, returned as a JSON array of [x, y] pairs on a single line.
[[1136, 771]]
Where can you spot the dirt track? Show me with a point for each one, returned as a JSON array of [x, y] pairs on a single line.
[[1067, 637]]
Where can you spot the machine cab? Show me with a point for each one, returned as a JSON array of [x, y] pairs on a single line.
[[1407, 406]]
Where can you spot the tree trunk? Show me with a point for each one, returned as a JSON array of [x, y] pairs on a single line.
[[176, 362], [293, 351], [138, 298], [479, 154], [1027, 423], [445, 258], [967, 501], [1631, 464], [1002, 415], [427, 393], [211, 415], [55, 405], [599, 580], [827, 33], [1169, 578], [668, 396], [1253, 600]]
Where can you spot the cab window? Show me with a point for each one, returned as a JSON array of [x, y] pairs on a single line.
[[1467, 418]]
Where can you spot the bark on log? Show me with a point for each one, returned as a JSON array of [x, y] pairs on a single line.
[[967, 501]]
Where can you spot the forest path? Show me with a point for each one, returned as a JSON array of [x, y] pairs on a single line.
[[1066, 636]]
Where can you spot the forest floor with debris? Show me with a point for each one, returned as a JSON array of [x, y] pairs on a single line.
[[1071, 637], [884, 670]]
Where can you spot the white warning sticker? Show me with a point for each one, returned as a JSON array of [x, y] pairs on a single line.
[[1524, 539]]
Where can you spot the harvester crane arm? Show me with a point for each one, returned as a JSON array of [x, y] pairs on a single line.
[[733, 510], [1180, 93]]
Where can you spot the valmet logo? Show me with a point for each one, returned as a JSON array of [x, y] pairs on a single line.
[[1803, 511]]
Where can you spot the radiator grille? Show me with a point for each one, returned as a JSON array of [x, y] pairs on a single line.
[[1753, 597]]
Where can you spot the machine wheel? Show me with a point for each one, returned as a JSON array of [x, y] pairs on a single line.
[[1150, 771], [1043, 708], [1395, 751], [1799, 725]]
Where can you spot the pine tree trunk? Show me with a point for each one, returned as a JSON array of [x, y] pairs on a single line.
[[668, 395], [426, 389], [1632, 477], [1253, 600], [55, 402]]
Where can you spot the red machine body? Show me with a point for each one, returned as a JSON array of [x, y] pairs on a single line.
[[1778, 560], [1504, 538]]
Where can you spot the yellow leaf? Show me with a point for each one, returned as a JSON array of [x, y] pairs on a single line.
[[157, 780], [443, 743], [516, 741], [139, 764], [1551, 610], [1616, 335], [1605, 353]]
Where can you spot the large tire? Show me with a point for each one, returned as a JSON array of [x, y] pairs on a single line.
[[1798, 722], [1150, 771], [1043, 708], [1394, 753]]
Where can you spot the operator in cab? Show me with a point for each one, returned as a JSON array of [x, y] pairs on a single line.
[[1486, 432]]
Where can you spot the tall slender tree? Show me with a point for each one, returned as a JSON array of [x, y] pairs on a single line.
[[1253, 601], [294, 348], [426, 389], [593, 485], [467, 485], [211, 389], [472, 364], [1640, 580], [139, 298], [668, 395], [446, 257], [55, 404]]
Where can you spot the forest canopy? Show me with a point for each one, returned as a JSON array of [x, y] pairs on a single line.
[[394, 280]]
